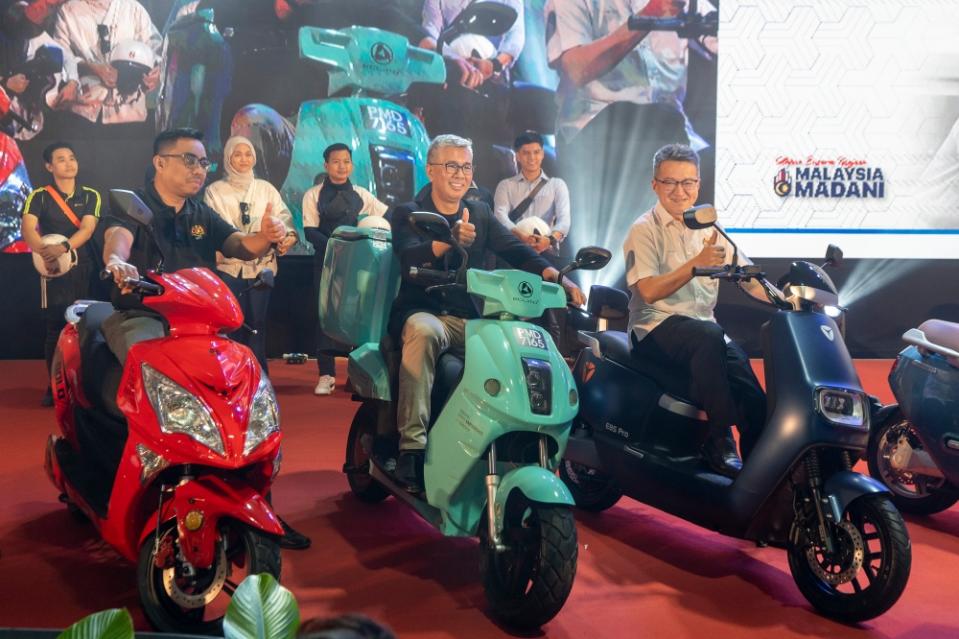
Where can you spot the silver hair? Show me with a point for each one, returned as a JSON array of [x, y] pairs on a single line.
[[448, 140], [675, 153]]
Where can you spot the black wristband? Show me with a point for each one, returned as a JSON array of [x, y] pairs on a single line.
[[497, 65]]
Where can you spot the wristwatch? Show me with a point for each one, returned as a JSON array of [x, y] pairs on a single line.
[[66, 245], [497, 65]]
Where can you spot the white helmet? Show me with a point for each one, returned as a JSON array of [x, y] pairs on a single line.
[[373, 222], [533, 226], [63, 264], [471, 45], [131, 59]]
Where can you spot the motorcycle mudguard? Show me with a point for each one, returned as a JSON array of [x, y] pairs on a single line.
[[536, 483], [215, 498], [847, 486]]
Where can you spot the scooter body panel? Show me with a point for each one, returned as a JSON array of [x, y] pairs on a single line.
[[847, 486], [925, 387], [473, 418]]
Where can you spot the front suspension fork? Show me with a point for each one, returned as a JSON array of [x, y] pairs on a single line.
[[814, 474], [492, 485]]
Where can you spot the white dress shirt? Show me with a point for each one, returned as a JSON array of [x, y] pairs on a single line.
[[551, 203], [439, 14], [311, 217]]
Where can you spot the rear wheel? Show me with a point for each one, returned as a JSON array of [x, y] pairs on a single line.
[[359, 447], [179, 598], [868, 569], [911, 492], [527, 583]]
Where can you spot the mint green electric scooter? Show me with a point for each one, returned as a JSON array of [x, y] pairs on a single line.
[[501, 416]]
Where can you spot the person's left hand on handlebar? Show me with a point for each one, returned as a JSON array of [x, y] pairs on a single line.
[[463, 231], [573, 292]]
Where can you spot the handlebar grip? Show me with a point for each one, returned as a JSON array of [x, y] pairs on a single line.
[[106, 275], [431, 274], [645, 23], [708, 271]]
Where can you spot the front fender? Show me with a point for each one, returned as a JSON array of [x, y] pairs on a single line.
[[847, 486], [536, 483], [215, 498]]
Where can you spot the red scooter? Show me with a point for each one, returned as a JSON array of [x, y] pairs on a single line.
[[172, 455]]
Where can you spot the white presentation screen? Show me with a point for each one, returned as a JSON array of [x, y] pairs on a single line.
[[838, 121]]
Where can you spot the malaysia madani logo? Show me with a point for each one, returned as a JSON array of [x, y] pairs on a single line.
[[840, 177]]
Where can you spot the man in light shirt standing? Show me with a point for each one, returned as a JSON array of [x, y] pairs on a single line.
[[671, 312]]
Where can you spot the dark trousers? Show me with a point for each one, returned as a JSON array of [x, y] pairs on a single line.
[[254, 303], [61, 293], [325, 362], [721, 378]]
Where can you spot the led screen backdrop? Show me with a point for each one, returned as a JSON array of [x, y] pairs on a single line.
[[839, 122]]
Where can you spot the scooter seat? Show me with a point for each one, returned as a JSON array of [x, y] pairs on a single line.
[[616, 347], [449, 372], [100, 370], [944, 334]]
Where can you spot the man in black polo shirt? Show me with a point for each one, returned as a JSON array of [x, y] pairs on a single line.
[[65, 208], [415, 319], [188, 232]]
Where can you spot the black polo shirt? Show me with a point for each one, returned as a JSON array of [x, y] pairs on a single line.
[[412, 250], [187, 239], [83, 201]]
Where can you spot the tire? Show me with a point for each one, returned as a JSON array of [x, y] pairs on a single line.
[[911, 493], [241, 550], [359, 445], [832, 585], [593, 490], [527, 584]]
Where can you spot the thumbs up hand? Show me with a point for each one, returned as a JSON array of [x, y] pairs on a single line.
[[271, 227], [464, 232], [711, 255]]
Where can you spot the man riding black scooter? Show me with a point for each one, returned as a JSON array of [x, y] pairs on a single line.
[[671, 312]]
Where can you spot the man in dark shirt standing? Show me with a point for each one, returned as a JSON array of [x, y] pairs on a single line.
[[189, 233], [63, 208], [416, 319]]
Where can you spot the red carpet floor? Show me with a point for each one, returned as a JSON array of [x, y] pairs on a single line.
[[641, 573]]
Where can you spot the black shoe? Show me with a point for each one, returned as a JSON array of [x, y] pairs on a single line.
[[719, 453], [47, 399], [291, 539], [409, 470]]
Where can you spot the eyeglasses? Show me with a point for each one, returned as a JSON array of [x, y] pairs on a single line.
[[452, 168], [189, 160], [670, 184], [103, 33], [244, 213]]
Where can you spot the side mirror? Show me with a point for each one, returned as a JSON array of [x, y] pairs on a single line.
[[700, 217], [431, 226], [488, 19], [264, 279], [833, 256], [592, 258], [129, 203]]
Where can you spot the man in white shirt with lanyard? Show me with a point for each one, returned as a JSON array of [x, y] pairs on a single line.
[[671, 312]]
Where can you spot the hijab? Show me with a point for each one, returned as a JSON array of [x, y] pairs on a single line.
[[239, 181]]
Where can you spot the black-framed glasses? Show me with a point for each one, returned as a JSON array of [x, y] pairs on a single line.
[[103, 33], [244, 213], [452, 168], [189, 160], [687, 184]]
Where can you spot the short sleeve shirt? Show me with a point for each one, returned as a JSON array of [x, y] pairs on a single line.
[[658, 244], [84, 202]]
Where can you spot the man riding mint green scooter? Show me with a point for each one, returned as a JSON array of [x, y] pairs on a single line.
[[498, 415]]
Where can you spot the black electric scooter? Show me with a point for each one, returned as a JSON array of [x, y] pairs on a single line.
[[636, 434]]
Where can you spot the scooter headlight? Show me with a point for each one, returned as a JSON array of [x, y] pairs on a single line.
[[181, 412], [842, 407], [264, 417], [539, 384]]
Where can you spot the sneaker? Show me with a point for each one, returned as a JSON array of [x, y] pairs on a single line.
[[325, 386], [47, 399]]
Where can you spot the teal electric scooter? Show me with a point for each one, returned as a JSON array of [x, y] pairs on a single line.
[[501, 415]]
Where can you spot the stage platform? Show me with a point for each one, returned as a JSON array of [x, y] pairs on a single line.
[[641, 573]]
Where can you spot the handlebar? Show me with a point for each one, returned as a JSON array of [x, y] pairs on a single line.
[[430, 276], [140, 286], [709, 271]]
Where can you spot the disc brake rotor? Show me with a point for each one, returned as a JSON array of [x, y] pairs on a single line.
[[202, 598], [852, 552]]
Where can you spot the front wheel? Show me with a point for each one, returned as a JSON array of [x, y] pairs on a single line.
[[527, 583], [592, 489], [359, 450], [912, 493], [867, 570], [177, 597]]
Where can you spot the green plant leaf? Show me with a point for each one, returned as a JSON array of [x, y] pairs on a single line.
[[261, 609], [115, 623]]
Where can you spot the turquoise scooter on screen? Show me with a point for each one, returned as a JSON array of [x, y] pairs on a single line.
[[500, 416]]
